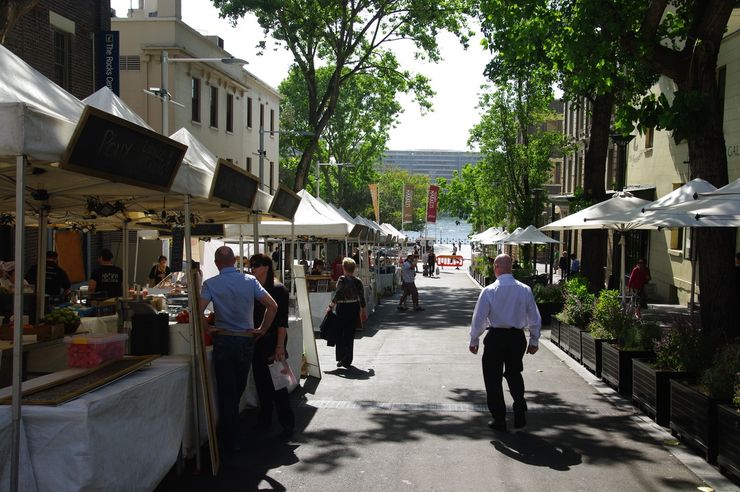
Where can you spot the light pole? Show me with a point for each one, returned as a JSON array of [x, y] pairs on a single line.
[[619, 245], [163, 92], [332, 162]]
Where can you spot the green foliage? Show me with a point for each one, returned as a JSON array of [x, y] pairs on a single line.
[[390, 196], [639, 335], [579, 302], [350, 39], [548, 293], [608, 319], [722, 376], [63, 315], [681, 347], [483, 266]]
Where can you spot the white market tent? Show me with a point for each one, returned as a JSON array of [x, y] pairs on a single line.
[[400, 237], [530, 235]]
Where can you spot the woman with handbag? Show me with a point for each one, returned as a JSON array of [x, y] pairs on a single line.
[[349, 300], [269, 348]]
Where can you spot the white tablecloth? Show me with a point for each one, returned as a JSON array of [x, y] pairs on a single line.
[[123, 436], [99, 324]]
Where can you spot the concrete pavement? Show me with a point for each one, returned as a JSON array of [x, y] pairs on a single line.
[[411, 415]]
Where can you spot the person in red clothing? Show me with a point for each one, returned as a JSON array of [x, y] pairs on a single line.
[[639, 277]]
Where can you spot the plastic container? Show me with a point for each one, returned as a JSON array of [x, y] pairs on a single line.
[[91, 350]]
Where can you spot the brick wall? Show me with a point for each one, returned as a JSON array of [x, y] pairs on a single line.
[[32, 39]]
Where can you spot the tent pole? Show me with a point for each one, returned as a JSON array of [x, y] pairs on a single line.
[[622, 244], [20, 164], [41, 264], [241, 250], [694, 251], [136, 256], [256, 225], [194, 339]]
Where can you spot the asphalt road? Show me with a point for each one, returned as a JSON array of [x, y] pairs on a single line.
[[411, 415]]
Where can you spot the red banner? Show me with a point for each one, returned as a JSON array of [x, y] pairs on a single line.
[[432, 203], [408, 203]]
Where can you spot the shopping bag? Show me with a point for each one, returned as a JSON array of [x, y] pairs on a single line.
[[328, 328], [282, 374]]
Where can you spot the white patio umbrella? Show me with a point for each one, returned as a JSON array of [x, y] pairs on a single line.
[[617, 207]]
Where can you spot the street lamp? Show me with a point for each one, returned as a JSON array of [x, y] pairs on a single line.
[[163, 92], [332, 162]]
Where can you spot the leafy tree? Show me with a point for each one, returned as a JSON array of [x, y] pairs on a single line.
[[566, 41], [349, 37], [502, 187], [10, 13], [357, 132]]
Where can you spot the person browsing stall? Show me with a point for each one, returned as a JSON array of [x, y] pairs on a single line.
[[504, 309], [349, 300], [270, 347], [57, 281], [233, 295]]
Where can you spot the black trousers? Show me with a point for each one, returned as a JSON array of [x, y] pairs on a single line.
[[264, 352], [347, 315], [502, 358]]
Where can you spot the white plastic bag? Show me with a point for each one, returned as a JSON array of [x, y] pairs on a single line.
[[282, 375]]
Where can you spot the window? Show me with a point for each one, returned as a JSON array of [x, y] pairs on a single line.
[[262, 116], [195, 99], [129, 63], [214, 107], [676, 239], [249, 112], [249, 164], [272, 122], [721, 83], [230, 113], [649, 135], [272, 176], [62, 58]]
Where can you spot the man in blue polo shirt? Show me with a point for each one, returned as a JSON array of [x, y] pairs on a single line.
[[233, 295]]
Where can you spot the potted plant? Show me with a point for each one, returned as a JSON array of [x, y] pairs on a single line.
[[549, 300], [576, 314], [604, 326], [694, 406], [634, 339], [728, 426], [678, 353]]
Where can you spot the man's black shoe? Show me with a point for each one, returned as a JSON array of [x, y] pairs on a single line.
[[402, 308], [497, 425], [519, 420]]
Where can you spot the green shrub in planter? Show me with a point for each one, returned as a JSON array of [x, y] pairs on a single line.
[[552, 293], [608, 321], [721, 377], [579, 302], [681, 347]]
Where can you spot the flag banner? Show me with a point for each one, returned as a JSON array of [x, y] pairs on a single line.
[[432, 203], [374, 196], [408, 203]]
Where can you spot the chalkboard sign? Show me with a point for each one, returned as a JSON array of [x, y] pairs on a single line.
[[115, 149], [233, 186], [285, 203]]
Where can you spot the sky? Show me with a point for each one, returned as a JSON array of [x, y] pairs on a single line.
[[456, 80]]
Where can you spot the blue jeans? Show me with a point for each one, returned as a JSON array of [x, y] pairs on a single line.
[[232, 357]]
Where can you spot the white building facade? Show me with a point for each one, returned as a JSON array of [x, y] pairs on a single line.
[[223, 105]]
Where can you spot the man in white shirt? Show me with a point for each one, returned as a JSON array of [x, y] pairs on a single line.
[[505, 308], [408, 281]]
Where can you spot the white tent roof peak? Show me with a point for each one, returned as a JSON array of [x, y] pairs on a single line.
[[106, 100]]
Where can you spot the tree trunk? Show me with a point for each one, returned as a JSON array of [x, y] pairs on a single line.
[[708, 160], [594, 173]]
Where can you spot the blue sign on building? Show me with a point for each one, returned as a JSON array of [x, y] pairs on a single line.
[[107, 69]]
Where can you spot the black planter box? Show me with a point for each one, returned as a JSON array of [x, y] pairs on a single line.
[[547, 309], [651, 390], [616, 366], [570, 340], [728, 429], [555, 333], [694, 418], [591, 352]]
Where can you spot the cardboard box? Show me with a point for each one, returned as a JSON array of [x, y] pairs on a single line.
[[43, 332]]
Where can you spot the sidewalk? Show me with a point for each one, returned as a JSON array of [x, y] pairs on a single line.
[[411, 415]]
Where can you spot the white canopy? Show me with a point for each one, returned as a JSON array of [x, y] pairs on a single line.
[[510, 238], [719, 208], [106, 100], [491, 235], [37, 116], [617, 207], [529, 235]]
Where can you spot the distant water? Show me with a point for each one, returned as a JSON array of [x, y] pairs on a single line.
[[445, 231]]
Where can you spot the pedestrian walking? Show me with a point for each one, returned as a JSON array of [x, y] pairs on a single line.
[[639, 277], [431, 261], [270, 348], [233, 295], [408, 281], [564, 265], [575, 265], [349, 300], [504, 309]]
